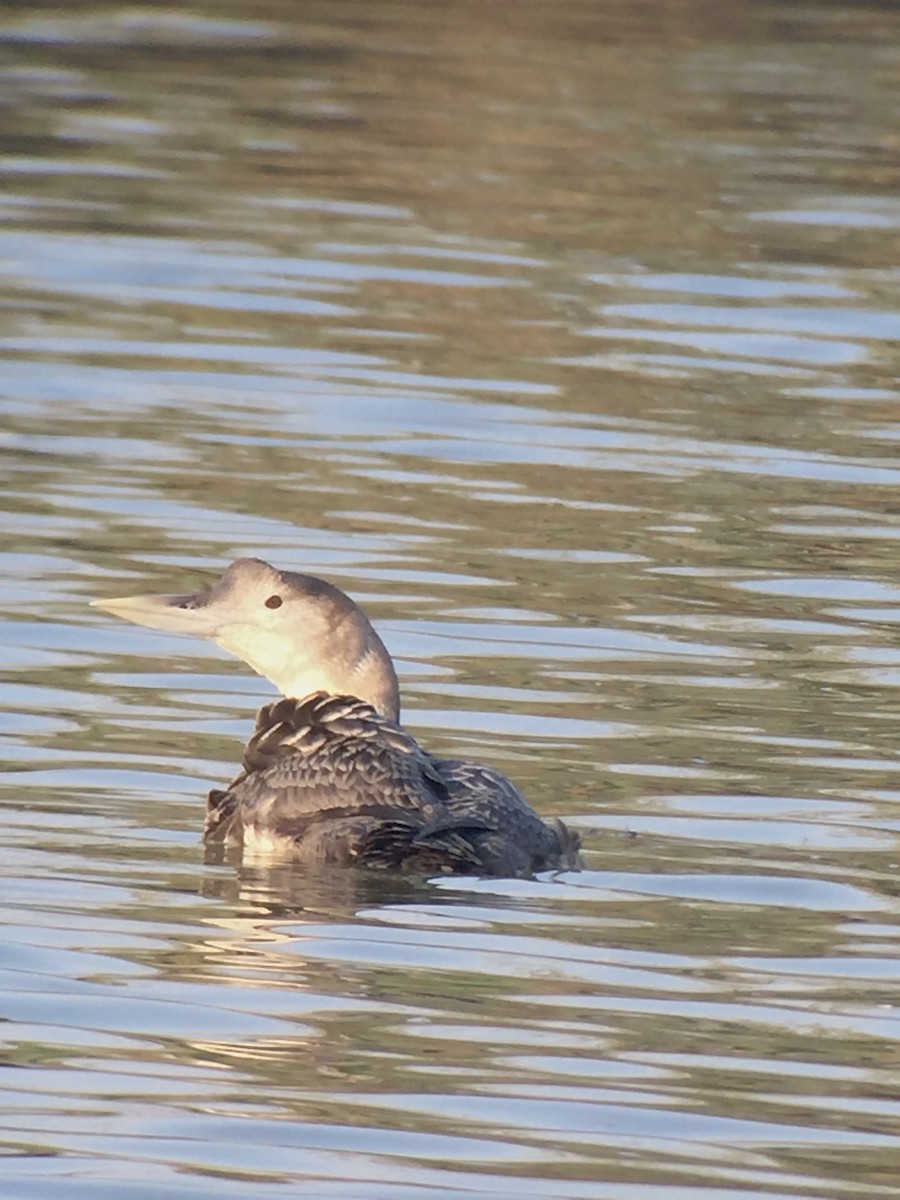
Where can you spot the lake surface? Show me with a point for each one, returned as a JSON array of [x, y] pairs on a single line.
[[564, 338]]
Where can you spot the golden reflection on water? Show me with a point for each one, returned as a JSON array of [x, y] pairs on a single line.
[[564, 338]]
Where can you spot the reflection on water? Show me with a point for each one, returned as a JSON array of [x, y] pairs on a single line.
[[565, 341]]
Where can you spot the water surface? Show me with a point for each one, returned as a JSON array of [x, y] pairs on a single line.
[[564, 338]]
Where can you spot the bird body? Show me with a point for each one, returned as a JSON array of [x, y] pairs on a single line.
[[330, 776]]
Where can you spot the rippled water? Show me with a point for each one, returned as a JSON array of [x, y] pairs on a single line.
[[564, 337]]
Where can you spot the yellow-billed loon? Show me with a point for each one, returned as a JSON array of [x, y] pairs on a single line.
[[329, 776]]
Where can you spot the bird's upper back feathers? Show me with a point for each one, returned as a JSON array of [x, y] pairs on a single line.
[[324, 758], [330, 778]]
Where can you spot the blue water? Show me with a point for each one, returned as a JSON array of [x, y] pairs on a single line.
[[563, 339]]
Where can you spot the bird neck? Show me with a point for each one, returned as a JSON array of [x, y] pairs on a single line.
[[354, 666]]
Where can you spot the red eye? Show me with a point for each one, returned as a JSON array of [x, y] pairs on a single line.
[[274, 602]]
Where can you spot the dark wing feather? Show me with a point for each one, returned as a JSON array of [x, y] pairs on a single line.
[[329, 780], [515, 840], [324, 762]]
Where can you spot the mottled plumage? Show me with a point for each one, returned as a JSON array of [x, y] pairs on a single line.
[[331, 777], [327, 779]]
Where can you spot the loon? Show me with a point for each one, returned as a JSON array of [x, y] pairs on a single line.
[[329, 776]]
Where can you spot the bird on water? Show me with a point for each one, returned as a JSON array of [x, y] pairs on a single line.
[[329, 775]]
